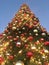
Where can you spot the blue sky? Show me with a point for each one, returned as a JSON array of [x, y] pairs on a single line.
[[8, 8]]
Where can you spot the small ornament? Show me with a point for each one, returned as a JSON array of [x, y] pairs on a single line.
[[29, 54], [19, 63], [19, 31], [36, 34], [13, 24], [35, 30], [23, 28], [35, 18], [11, 57], [37, 42], [22, 35], [27, 24], [31, 26], [41, 40], [41, 51], [30, 38], [33, 47], [43, 34], [13, 28], [1, 59], [18, 44], [46, 51], [35, 22], [26, 45], [9, 37], [20, 52], [15, 39], [7, 54], [4, 34], [16, 21]]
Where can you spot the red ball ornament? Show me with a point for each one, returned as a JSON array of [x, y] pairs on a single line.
[[30, 38], [46, 43], [35, 22], [41, 40], [15, 39], [22, 35], [26, 45], [30, 26], [9, 37], [1, 59], [27, 24], [29, 54], [42, 51], [11, 57]]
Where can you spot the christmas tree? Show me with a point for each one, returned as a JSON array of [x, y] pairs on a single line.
[[24, 41]]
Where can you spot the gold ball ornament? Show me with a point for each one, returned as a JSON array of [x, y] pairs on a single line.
[[13, 28], [19, 63], [35, 30], [43, 34], [36, 34]]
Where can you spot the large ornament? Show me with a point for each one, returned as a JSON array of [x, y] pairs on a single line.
[[46, 43], [19, 63]]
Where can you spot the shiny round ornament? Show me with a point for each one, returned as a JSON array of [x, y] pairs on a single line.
[[11, 57], [15, 39], [9, 37], [36, 34], [16, 21], [4, 34], [19, 63], [35, 22], [35, 30], [43, 34], [18, 44], [41, 40], [31, 26], [30, 38], [46, 43], [29, 54], [13, 28]]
